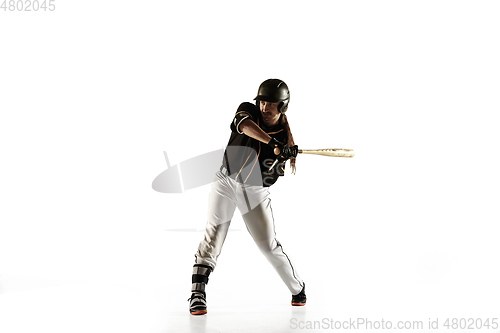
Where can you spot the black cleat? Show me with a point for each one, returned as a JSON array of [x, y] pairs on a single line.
[[300, 298], [197, 303]]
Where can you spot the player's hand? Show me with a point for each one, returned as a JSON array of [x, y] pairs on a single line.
[[283, 150], [277, 146], [294, 151], [289, 152]]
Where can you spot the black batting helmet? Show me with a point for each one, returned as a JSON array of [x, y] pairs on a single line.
[[274, 91]]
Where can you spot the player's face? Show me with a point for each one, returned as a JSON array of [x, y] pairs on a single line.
[[270, 113]]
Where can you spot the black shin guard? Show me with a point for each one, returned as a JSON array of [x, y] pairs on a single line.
[[200, 277]]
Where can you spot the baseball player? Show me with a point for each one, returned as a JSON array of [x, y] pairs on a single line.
[[260, 144]]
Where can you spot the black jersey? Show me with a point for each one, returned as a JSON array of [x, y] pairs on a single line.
[[248, 160]]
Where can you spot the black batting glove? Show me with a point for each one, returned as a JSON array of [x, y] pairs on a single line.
[[294, 151], [289, 152], [274, 143], [286, 151]]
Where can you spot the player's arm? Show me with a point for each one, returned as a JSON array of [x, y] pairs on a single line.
[[250, 128], [243, 123]]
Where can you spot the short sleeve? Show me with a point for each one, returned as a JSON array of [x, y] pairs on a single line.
[[245, 111]]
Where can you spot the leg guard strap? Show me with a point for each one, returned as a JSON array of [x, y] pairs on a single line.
[[198, 278]]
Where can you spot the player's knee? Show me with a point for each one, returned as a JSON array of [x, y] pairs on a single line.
[[267, 247]]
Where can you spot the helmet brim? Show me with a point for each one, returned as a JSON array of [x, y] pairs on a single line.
[[268, 99]]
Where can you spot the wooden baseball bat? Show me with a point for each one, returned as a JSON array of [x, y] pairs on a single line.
[[334, 152]]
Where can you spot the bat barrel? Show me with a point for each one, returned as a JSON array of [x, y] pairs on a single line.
[[333, 152]]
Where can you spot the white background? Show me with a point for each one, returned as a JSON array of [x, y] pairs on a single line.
[[94, 92]]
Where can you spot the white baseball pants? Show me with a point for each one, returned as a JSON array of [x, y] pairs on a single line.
[[255, 206]]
